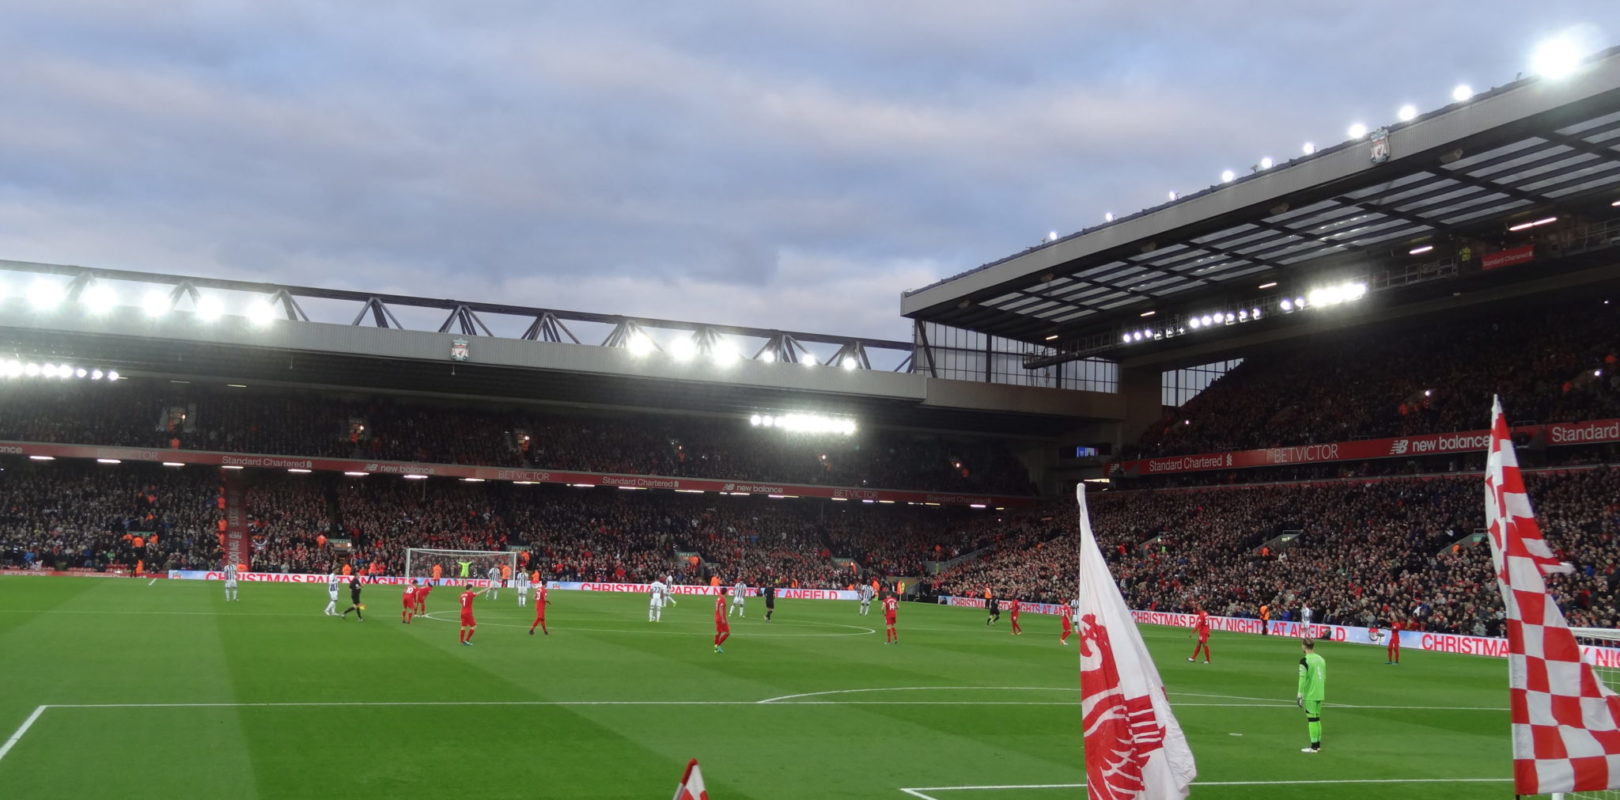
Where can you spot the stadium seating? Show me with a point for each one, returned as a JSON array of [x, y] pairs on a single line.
[[1549, 365], [143, 413]]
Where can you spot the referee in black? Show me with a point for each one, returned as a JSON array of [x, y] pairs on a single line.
[[354, 598], [770, 602]]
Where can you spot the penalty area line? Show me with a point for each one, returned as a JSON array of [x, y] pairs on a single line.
[[21, 729]]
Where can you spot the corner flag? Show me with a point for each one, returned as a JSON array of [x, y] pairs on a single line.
[[691, 787], [1565, 734], [1135, 750]]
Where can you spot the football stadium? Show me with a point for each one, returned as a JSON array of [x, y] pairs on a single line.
[[272, 540]]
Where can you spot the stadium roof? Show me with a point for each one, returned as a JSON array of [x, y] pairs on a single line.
[[1456, 177]]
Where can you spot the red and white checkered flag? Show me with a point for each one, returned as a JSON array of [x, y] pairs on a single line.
[[691, 787], [1566, 737]]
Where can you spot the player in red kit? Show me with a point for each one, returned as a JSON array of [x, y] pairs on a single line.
[[1017, 606], [722, 628], [1065, 616], [891, 607], [410, 605], [421, 596], [540, 601], [1393, 651], [1202, 628], [468, 624]]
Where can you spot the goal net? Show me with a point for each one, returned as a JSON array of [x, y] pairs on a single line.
[[1600, 647], [456, 566]]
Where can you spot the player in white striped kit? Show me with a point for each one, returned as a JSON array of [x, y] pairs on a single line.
[[669, 595], [230, 582], [866, 598], [331, 594], [655, 606], [738, 592], [521, 583], [494, 590]]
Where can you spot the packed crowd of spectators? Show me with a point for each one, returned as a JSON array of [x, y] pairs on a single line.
[[1362, 551], [147, 413], [1356, 551], [92, 516], [1548, 365]]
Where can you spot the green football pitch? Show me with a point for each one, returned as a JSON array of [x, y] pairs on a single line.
[[118, 688]]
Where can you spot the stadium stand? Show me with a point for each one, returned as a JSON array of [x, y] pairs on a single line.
[[143, 413], [1556, 364]]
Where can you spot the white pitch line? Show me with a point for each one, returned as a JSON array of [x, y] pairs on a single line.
[[15, 737], [924, 689], [921, 791]]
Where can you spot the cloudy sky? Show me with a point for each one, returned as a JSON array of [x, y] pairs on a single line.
[[766, 163]]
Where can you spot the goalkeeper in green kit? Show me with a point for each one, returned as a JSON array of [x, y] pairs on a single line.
[[1312, 682]]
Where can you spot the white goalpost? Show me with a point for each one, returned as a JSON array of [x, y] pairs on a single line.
[[456, 566], [1610, 675]]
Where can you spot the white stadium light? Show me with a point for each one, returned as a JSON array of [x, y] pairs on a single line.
[[1407, 113], [1266, 162], [683, 350], [98, 299], [1462, 93], [769, 356], [1051, 236], [1227, 176], [1108, 216], [1194, 323], [1126, 338], [1172, 195], [754, 420], [44, 294], [850, 363], [723, 354], [1555, 58], [156, 303], [1418, 251], [209, 308], [639, 345], [809, 423], [1357, 131], [263, 312], [1308, 148], [1208, 320], [96, 375], [112, 375]]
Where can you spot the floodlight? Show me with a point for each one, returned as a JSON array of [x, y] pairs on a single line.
[[1172, 195], [1555, 58], [809, 359], [48, 371], [1299, 302], [98, 299], [1286, 304], [1407, 113], [96, 375], [769, 356], [1254, 313], [754, 420], [1309, 148], [1230, 318], [45, 294], [1462, 94], [1266, 162], [12, 368], [850, 362], [1353, 291], [1208, 320], [1418, 251], [263, 312], [683, 350], [209, 308], [1108, 217], [1194, 323], [639, 345], [68, 371], [1357, 131], [1051, 236], [156, 303], [723, 355], [1126, 338], [112, 375], [1227, 176]]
